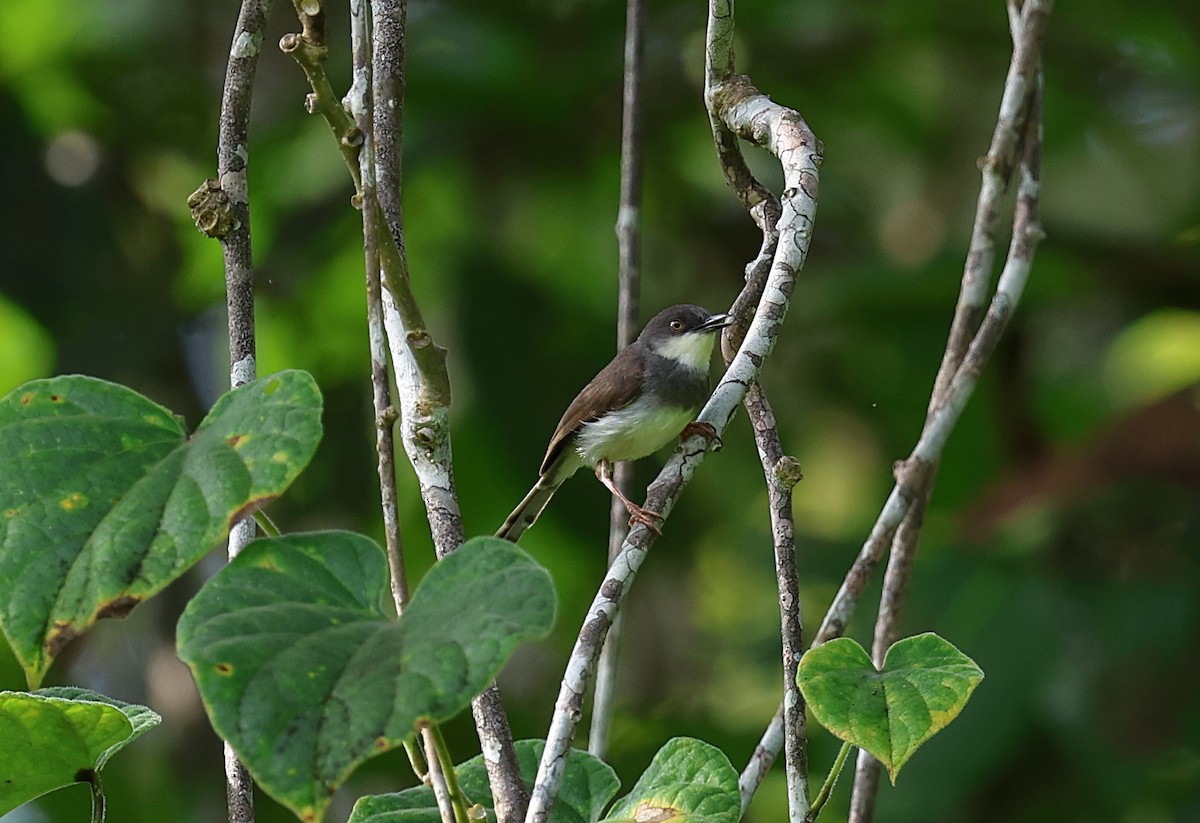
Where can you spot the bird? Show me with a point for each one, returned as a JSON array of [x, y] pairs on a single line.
[[645, 397]]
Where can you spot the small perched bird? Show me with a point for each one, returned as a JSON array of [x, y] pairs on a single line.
[[638, 403]]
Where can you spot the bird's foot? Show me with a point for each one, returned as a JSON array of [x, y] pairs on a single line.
[[706, 430], [651, 520]]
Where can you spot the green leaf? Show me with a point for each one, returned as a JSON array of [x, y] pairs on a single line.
[[56, 737], [688, 780], [587, 786], [306, 676], [103, 501], [924, 684]]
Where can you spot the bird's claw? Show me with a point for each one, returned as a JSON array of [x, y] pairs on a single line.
[[647, 518], [706, 430]]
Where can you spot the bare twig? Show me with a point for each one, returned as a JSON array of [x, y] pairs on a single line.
[[309, 51], [359, 101], [782, 473], [437, 776], [761, 760], [360, 98], [1026, 233], [1018, 125], [221, 209], [422, 378], [867, 768], [629, 243]]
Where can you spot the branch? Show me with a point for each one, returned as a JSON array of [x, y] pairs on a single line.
[[629, 239], [1018, 127], [360, 99], [749, 114], [1026, 233], [309, 51], [718, 74], [422, 379], [761, 759], [782, 473], [360, 96], [725, 91], [221, 208]]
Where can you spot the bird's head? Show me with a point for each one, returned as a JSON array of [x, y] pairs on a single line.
[[685, 334]]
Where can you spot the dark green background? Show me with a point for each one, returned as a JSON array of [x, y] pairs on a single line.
[[1061, 550]]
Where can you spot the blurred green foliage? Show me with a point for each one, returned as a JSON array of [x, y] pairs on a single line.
[[1062, 550]]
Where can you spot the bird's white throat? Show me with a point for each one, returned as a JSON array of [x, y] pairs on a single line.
[[693, 351]]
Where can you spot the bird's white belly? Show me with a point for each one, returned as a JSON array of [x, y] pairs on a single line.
[[637, 430]]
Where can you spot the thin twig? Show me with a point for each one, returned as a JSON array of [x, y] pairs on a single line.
[[782, 473], [221, 209], [360, 105], [422, 379], [1018, 127], [361, 98], [437, 777], [1026, 232], [309, 50], [629, 250]]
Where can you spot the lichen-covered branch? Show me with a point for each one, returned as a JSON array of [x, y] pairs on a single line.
[[738, 110]]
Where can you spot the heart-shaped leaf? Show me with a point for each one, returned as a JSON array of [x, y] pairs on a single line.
[[103, 501], [588, 785], [688, 781], [924, 684], [306, 676], [56, 737]]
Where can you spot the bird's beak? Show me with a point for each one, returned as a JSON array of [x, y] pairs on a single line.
[[714, 323]]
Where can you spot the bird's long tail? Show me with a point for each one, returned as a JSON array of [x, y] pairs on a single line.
[[529, 509]]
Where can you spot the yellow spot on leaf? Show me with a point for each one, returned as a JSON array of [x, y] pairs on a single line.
[[647, 812], [74, 500], [279, 457]]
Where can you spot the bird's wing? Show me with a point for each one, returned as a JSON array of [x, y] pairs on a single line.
[[599, 397]]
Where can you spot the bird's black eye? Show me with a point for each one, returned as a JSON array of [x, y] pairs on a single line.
[[677, 325]]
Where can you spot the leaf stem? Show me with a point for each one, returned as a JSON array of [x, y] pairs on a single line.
[[416, 759], [267, 524], [443, 755], [830, 781], [98, 800]]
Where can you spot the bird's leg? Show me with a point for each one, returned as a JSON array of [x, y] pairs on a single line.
[[706, 430], [637, 514]]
